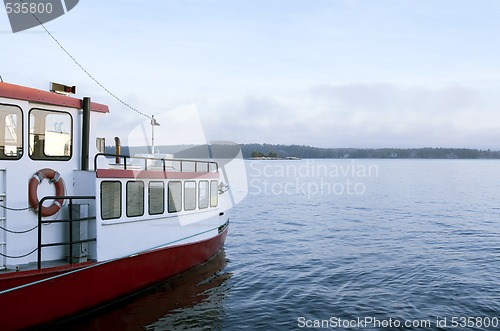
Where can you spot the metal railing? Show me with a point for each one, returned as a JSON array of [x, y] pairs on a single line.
[[175, 165], [70, 220]]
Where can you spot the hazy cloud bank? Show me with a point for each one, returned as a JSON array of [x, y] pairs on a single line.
[[365, 115]]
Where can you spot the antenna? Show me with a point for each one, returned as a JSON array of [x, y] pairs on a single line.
[[153, 124]]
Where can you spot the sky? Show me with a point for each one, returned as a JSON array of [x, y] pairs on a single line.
[[326, 73]]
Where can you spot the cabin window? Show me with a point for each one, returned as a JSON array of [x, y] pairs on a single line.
[[174, 197], [203, 194], [51, 135], [111, 200], [11, 135], [189, 195], [214, 193], [156, 197], [135, 198]]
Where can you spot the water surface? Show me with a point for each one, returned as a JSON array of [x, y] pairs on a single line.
[[343, 241]]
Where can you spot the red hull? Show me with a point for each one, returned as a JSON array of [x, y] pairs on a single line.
[[78, 290]]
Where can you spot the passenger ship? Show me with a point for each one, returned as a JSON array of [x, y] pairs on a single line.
[[80, 228]]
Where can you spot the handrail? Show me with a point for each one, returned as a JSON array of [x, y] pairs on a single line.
[[163, 160], [70, 221]]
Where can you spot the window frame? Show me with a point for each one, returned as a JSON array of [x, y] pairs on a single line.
[[207, 198], [119, 200], [20, 146], [127, 211], [193, 197], [176, 208], [216, 182], [46, 157], [162, 197]]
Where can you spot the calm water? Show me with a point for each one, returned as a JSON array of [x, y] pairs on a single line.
[[370, 243]]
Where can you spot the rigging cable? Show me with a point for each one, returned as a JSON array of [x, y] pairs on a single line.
[[85, 71], [1, 79]]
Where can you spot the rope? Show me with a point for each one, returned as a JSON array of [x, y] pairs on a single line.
[[18, 232], [18, 257], [85, 71], [15, 209]]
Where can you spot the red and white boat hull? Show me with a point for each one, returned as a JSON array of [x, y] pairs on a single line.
[[94, 284]]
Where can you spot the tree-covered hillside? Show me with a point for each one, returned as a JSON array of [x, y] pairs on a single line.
[[301, 151], [356, 153]]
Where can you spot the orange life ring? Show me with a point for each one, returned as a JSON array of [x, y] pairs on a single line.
[[53, 177]]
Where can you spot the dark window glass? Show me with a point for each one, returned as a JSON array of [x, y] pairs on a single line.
[[111, 200], [174, 197], [203, 194], [135, 198], [189, 195], [156, 198]]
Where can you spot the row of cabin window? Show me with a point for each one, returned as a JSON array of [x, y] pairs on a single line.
[[111, 201], [50, 134]]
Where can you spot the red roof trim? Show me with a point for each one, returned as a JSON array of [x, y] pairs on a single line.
[[12, 91], [143, 174]]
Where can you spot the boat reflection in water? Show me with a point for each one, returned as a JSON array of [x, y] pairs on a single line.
[[192, 300]]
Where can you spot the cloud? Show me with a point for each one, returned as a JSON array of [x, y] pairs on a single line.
[[365, 115], [387, 97]]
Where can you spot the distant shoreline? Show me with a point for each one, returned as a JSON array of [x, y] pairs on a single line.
[[293, 152], [271, 151]]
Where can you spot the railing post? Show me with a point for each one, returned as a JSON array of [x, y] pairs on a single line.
[[39, 262], [70, 231], [95, 161]]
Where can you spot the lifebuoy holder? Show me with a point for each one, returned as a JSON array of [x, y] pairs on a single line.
[[55, 178]]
